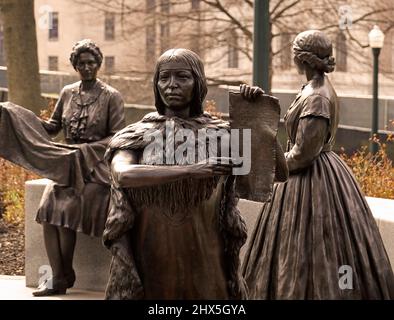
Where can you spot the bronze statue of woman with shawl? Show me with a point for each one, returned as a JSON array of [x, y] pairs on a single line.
[[88, 112], [173, 227]]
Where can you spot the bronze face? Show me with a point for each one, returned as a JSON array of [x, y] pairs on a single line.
[[176, 85], [87, 66]]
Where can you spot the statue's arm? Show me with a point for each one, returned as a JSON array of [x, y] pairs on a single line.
[[116, 117], [127, 173], [54, 124], [310, 139]]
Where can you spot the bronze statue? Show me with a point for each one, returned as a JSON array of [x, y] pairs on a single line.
[[89, 112], [317, 238], [173, 226]]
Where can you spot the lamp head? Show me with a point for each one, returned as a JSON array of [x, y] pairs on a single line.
[[376, 37]]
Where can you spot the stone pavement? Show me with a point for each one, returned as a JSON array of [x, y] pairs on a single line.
[[13, 288]]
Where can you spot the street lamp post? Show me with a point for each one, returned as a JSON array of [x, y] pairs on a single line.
[[261, 45], [376, 39]]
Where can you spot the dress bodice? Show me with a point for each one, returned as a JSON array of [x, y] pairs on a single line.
[[318, 100], [87, 117]]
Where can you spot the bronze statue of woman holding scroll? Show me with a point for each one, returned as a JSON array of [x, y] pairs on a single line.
[[173, 226]]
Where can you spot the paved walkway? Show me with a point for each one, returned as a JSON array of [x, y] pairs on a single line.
[[13, 288]]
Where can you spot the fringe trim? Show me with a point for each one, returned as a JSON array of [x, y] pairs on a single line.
[[174, 197], [234, 234]]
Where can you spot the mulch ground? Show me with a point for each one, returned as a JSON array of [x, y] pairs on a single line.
[[12, 248]]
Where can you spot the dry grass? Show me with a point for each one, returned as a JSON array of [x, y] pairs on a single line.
[[12, 184], [12, 191], [375, 173], [210, 106]]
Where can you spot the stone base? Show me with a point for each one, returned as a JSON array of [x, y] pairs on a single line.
[[92, 259]]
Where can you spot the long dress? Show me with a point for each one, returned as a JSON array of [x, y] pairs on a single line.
[[178, 240], [317, 238], [78, 195]]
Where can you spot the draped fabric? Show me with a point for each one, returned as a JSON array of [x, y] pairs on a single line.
[[78, 195], [25, 142]]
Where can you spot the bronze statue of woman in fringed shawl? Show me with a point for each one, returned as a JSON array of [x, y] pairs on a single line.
[[173, 227]]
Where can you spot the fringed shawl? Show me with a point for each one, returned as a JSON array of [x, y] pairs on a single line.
[[124, 281]]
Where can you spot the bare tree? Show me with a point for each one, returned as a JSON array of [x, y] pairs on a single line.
[[21, 53], [220, 30]]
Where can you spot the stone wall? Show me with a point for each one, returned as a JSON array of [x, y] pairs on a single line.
[[92, 260], [355, 111]]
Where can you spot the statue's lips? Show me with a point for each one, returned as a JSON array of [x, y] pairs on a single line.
[[173, 96]]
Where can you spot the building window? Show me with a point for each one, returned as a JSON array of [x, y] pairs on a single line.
[[195, 43], [165, 25], [164, 36], [109, 26], [150, 6], [150, 47], [109, 64], [285, 51], [387, 56], [53, 26], [2, 49], [341, 52], [150, 43], [195, 39], [195, 4], [232, 50], [53, 63]]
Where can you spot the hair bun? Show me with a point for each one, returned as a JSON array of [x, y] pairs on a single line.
[[329, 64], [315, 48]]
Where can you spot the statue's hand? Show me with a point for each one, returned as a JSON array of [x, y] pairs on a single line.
[[250, 93], [213, 167]]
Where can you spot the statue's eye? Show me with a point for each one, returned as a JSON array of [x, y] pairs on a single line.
[[184, 75], [163, 76]]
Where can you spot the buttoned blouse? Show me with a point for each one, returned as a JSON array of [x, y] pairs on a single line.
[[88, 117]]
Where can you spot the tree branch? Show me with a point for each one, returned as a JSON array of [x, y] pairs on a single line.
[[279, 14]]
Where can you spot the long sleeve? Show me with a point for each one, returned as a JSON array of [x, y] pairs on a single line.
[[116, 117], [310, 139], [312, 133], [281, 170], [54, 124]]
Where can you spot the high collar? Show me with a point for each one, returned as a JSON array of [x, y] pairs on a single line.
[[90, 96], [203, 119]]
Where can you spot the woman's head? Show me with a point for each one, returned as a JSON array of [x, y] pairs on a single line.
[[188, 63], [314, 49], [85, 45], [86, 58]]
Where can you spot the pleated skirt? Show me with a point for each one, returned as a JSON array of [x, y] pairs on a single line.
[[317, 239], [86, 212]]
